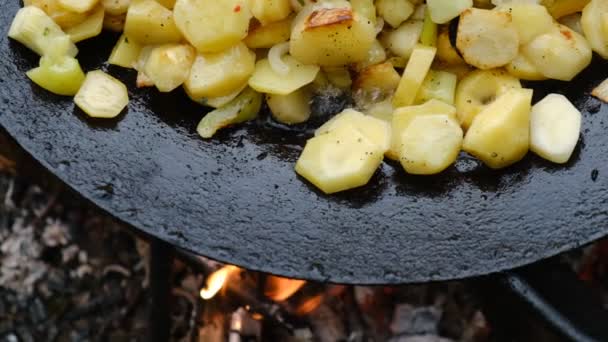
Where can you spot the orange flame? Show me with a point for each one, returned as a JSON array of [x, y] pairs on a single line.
[[309, 305], [280, 289], [216, 281]]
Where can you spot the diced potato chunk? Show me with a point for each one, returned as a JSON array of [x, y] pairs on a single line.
[[89, 28], [266, 80], [269, 11], [402, 40], [125, 53], [560, 54], [446, 53], [430, 144], [79, 6], [592, 22], [167, 3], [555, 126], [210, 25], [101, 95], [293, 108], [36, 30], [269, 35], [439, 85], [169, 65], [522, 68], [116, 7], [414, 74], [63, 17], [403, 116], [382, 110], [365, 8], [243, 108], [149, 22], [500, 134], [379, 78], [218, 74], [394, 12], [331, 34], [376, 130], [487, 39], [339, 160], [530, 20], [375, 55], [443, 11], [59, 75], [560, 8], [478, 90]]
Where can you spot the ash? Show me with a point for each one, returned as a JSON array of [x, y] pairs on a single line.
[[70, 273]]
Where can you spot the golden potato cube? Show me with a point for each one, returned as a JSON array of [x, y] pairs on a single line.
[[331, 34], [500, 134], [479, 89], [149, 22]]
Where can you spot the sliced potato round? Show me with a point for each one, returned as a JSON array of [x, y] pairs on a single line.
[[479, 89], [522, 68], [339, 160], [101, 95], [266, 80], [530, 19], [487, 39], [403, 116], [218, 74], [555, 126], [376, 130], [403, 39], [430, 144], [561, 54], [211, 25], [445, 51], [293, 108], [592, 23], [168, 66]]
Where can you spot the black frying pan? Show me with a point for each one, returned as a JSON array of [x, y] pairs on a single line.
[[236, 197]]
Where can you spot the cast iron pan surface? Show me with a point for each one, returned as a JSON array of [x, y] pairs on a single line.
[[236, 197]]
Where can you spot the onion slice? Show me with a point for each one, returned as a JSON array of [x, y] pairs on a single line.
[[274, 57]]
